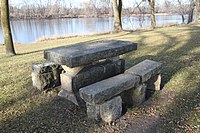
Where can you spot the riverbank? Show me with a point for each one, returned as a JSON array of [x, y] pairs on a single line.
[[84, 16], [174, 109], [104, 33]]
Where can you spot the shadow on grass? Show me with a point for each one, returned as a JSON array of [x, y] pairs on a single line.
[[181, 114], [56, 115], [32, 52], [174, 61], [170, 58]]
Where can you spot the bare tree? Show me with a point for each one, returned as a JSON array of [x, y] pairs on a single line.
[[153, 18], [5, 22], [181, 10], [197, 11], [117, 8], [191, 11]]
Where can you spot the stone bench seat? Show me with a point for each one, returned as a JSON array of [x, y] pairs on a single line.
[[101, 91], [146, 69], [149, 72]]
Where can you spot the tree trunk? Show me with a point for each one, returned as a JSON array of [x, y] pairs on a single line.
[[5, 22], [153, 17], [191, 12], [117, 8], [183, 18], [197, 11], [181, 11]]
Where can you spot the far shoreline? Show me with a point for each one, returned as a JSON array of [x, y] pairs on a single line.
[[83, 16]]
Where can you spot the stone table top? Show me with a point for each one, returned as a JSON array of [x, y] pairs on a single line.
[[86, 53]]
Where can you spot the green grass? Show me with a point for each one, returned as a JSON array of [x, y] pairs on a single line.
[[24, 109]]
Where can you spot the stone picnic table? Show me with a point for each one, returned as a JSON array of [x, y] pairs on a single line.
[[93, 75], [88, 63]]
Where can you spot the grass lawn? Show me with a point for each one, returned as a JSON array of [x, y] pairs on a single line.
[[176, 107]]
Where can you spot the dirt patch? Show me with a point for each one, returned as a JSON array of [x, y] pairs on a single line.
[[144, 119]]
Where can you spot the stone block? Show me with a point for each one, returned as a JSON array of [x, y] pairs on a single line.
[[145, 69], [134, 96], [111, 109], [114, 58], [72, 71], [87, 53], [154, 82], [75, 98], [93, 111], [101, 91], [46, 76], [45, 67], [91, 74], [67, 82], [43, 81]]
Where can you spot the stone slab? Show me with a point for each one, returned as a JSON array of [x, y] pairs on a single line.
[[45, 67], [43, 81], [72, 82], [72, 71], [111, 109], [145, 69], [154, 83], [101, 91], [86, 53], [46, 76], [134, 96]]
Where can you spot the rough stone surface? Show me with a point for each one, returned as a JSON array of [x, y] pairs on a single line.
[[75, 98], [93, 111], [45, 67], [67, 82], [154, 83], [134, 96], [111, 110], [72, 71], [86, 53], [43, 81], [101, 91], [91, 74], [145, 69], [46, 76]]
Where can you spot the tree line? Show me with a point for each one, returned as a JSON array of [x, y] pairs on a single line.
[[92, 8], [102, 7]]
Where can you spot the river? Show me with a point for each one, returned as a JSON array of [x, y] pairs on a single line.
[[27, 31]]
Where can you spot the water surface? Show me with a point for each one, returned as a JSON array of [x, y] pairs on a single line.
[[27, 31]]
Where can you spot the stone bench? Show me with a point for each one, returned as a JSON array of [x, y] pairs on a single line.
[[150, 81], [146, 70], [104, 99]]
